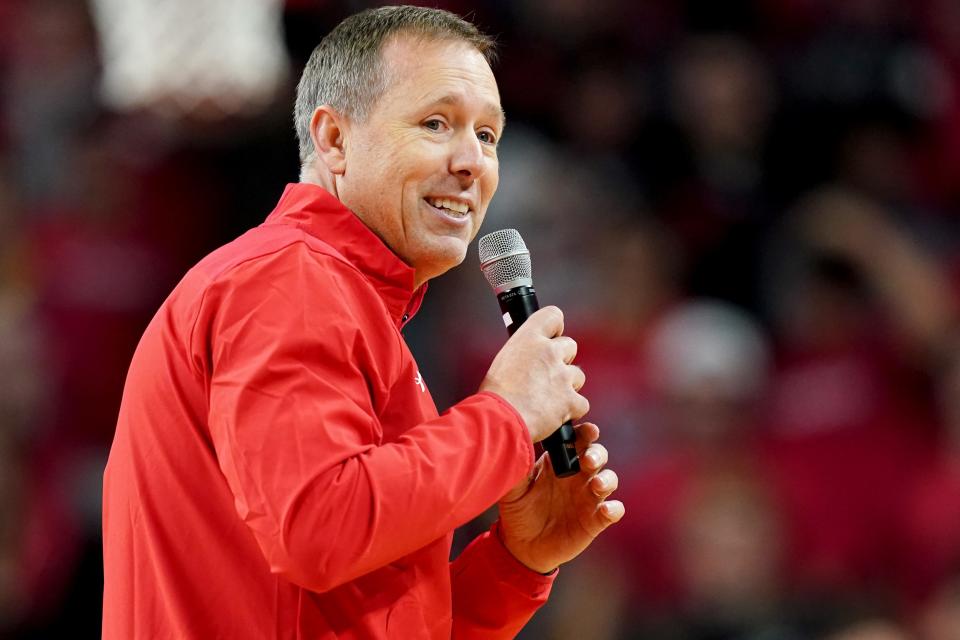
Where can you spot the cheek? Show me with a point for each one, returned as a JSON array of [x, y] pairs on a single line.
[[409, 161], [477, 223], [490, 180]]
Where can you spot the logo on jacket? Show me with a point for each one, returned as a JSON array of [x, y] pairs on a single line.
[[419, 382]]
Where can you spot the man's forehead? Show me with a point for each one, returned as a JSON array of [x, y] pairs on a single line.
[[434, 67], [406, 55]]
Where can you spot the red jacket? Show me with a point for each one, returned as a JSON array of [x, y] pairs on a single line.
[[279, 469]]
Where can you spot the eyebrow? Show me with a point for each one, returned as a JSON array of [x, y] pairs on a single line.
[[492, 111]]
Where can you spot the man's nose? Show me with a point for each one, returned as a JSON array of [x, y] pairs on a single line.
[[468, 161]]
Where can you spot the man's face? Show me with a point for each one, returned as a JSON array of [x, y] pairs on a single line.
[[421, 169]]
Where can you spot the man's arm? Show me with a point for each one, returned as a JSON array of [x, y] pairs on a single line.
[[494, 595], [544, 522], [295, 431]]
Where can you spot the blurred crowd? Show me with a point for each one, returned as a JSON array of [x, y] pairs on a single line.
[[748, 211]]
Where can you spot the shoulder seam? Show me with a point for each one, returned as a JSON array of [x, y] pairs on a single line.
[[331, 253]]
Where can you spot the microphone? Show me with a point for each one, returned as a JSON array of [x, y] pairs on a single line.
[[505, 262]]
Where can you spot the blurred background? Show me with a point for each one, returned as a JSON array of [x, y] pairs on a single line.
[[748, 210]]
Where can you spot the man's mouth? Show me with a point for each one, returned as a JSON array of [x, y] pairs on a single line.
[[453, 208]]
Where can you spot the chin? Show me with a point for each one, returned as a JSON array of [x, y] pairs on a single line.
[[444, 255]]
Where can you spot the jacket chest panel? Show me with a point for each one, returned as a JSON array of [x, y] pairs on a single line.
[[406, 401]]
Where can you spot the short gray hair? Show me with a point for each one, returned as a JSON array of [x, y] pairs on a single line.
[[346, 69]]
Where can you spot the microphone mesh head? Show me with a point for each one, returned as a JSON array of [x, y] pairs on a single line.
[[505, 260]]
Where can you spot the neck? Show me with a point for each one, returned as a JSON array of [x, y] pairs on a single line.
[[309, 174]]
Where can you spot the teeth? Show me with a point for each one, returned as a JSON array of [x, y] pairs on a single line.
[[451, 205]]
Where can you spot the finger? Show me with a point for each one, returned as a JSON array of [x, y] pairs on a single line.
[[593, 458], [612, 511], [586, 434], [604, 483], [579, 407], [547, 321], [566, 348], [605, 514], [579, 377]]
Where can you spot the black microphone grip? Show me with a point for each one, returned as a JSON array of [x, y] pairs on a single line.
[[517, 305]]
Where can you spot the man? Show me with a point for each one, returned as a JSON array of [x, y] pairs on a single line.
[[279, 469]]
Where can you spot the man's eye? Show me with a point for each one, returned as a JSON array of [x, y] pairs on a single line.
[[486, 137], [434, 124]]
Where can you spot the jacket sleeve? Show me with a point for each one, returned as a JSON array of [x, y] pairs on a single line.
[[494, 595], [293, 423]]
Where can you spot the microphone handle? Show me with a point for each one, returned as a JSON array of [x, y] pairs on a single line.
[[517, 305]]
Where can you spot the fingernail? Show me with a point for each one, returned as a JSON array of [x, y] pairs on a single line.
[[612, 509], [593, 457]]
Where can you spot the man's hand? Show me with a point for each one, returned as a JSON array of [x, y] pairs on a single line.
[[546, 521], [533, 373]]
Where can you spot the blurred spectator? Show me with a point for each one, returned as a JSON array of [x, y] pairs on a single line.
[[705, 162], [722, 97], [708, 363], [11, 505], [728, 552], [929, 522], [850, 424], [96, 266], [941, 26], [98, 277], [20, 399], [48, 92], [700, 549], [20, 344], [940, 618], [639, 268]]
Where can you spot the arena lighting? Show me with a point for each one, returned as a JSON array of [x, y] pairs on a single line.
[[210, 59]]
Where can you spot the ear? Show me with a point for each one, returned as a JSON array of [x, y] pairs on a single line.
[[326, 131]]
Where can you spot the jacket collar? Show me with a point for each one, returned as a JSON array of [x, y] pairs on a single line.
[[317, 212]]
